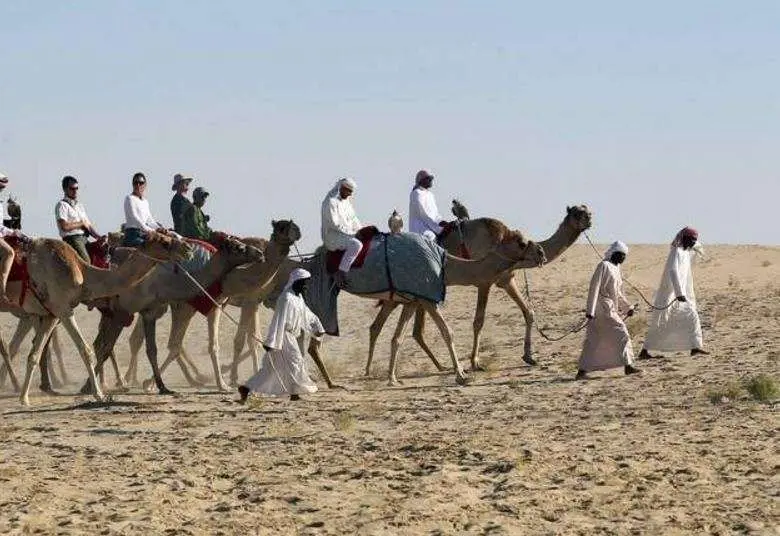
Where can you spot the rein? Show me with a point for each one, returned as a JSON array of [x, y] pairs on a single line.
[[630, 284]]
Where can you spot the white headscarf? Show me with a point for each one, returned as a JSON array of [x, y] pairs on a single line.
[[296, 275], [616, 247], [346, 181]]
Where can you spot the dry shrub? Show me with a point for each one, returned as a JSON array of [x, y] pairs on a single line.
[[344, 421], [725, 393], [766, 264], [763, 388]]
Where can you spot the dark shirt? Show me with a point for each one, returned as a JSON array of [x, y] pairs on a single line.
[[179, 205]]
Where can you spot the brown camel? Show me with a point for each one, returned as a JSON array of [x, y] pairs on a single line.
[[480, 236], [163, 287], [61, 280], [513, 249], [250, 280]]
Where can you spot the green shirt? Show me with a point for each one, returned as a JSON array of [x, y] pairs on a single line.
[[193, 223]]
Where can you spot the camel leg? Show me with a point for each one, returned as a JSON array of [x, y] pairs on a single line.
[[119, 381], [213, 322], [42, 332], [418, 334], [187, 364], [23, 327], [8, 368], [150, 335], [254, 346], [314, 351], [483, 293], [103, 345], [136, 340], [376, 328], [48, 376], [86, 352], [511, 288], [57, 349], [245, 335], [395, 344], [433, 310]]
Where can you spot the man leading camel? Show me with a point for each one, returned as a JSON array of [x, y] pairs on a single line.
[[676, 327], [6, 251], [607, 341], [424, 217], [72, 221], [138, 215], [339, 225]]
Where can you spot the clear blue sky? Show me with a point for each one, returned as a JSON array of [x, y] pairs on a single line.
[[656, 114]]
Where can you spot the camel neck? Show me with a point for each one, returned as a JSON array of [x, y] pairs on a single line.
[[458, 271], [254, 278], [559, 241], [99, 283]]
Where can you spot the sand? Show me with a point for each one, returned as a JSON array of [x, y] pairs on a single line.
[[521, 450]]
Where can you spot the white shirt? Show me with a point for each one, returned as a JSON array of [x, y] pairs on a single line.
[[4, 231], [338, 220], [138, 215], [70, 213], [606, 284], [423, 212]]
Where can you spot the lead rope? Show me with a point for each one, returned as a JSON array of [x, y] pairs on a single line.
[[224, 312], [577, 328], [630, 284]]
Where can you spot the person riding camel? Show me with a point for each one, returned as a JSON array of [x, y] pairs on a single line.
[[339, 225], [138, 214], [6, 251]]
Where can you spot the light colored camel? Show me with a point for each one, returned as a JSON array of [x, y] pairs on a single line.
[[61, 280], [481, 236], [514, 249], [163, 287], [250, 280]]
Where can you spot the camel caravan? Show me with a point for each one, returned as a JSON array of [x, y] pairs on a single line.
[[148, 269]]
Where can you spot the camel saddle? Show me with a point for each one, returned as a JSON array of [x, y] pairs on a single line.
[[204, 252], [451, 227], [365, 235], [19, 269], [99, 255]]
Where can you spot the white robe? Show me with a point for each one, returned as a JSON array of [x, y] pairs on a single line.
[[607, 341], [339, 222], [284, 370], [424, 215], [677, 328]]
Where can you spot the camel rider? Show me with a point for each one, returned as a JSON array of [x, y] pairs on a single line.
[[138, 215], [424, 217], [179, 202], [71, 217], [6, 251], [339, 225], [194, 222]]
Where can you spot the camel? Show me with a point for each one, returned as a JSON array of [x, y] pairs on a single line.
[[163, 287], [249, 281], [480, 237], [60, 280], [513, 250]]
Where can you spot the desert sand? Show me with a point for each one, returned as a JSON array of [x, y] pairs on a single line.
[[522, 450]]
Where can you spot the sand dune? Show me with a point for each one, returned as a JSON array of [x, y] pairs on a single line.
[[521, 450]]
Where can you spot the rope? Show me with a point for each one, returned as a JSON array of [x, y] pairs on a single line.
[[630, 284], [224, 312], [577, 328]]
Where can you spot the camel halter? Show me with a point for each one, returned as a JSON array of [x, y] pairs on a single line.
[[630, 284]]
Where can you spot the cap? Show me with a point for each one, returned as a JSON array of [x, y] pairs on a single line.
[[200, 192], [179, 178], [422, 174]]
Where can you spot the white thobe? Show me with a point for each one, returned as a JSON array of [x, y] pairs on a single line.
[[138, 214], [607, 341], [4, 231], [284, 371], [424, 215], [70, 212], [339, 225], [677, 328]]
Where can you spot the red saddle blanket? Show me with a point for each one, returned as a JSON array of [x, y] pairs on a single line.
[[98, 254], [451, 227], [333, 258], [19, 269]]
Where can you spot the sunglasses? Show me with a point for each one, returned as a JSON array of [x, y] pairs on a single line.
[[140, 182], [74, 188]]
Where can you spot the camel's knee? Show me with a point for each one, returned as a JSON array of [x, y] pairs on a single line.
[[479, 321]]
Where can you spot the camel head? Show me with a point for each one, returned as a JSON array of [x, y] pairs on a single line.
[[578, 217], [237, 251], [517, 247], [285, 232], [165, 248]]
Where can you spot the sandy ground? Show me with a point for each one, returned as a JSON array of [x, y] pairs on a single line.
[[520, 451]]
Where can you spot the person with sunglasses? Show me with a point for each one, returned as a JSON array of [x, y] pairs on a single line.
[[138, 215], [72, 221]]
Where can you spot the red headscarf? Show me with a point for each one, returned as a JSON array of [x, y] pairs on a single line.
[[685, 232]]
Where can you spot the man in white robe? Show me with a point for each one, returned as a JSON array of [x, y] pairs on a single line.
[[424, 217], [283, 371], [339, 225], [607, 341], [676, 327]]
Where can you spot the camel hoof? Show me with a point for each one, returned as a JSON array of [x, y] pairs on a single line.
[[530, 360], [148, 386], [167, 392], [462, 379], [337, 387], [394, 383], [24, 401]]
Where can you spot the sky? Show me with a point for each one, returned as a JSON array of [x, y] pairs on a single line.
[[656, 114]]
